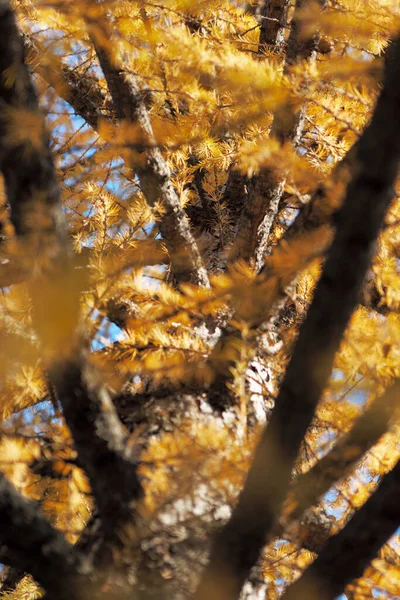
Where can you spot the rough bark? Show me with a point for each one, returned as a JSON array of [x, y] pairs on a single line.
[[274, 22], [153, 173], [264, 191], [273, 15], [368, 196], [82, 92], [347, 554], [176, 539], [32, 189]]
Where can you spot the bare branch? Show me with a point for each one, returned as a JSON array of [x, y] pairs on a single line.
[[368, 196]]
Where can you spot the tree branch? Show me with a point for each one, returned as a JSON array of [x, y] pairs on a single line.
[[347, 554], [36, 546], [359, 221], [36, 212], [82, 92], [264, 191], [89, 101], [274, 23], [153, 172], [308, 488]]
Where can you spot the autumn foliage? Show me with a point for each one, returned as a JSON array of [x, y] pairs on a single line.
[[200, 299]]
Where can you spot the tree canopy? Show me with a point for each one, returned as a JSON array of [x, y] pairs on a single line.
[[200, 299]]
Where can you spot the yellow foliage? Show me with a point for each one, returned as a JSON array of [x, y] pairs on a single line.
[[210, 95], [215, 458]]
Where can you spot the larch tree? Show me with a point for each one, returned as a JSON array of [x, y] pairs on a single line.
[[200, 299]]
